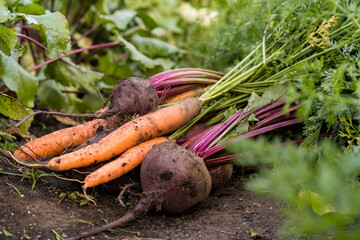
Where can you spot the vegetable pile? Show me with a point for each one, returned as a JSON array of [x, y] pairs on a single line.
[[299, 84]]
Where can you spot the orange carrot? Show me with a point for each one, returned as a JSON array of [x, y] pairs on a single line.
[[127, 161], [183, 95], [57, 142], [151, 125]]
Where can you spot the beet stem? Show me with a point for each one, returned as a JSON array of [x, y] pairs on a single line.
[[182, 81], [218, 148], [103, 45]]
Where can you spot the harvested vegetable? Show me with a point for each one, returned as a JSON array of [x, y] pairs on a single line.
[[133, 96], [179, 173], [172, 177], [220, 175], [127, 161], [183, 95], [57, 142], [124, 103], [143, 128]]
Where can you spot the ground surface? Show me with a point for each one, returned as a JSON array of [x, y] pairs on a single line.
[[40, 213]]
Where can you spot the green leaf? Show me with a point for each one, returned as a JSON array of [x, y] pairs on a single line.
[[62, 195], [319, 204], [7, 39], [50, 95], [113, 70], [243, 127], [230, 111], [149, 22], [58, 237], [56, 30], [89, 103], [153, 47], [136, 55], [72, 196], [10, 143], [164, 64], [18, 79], [11, 108], [73, 75], [271, 94], [4, 12], [84, 202], [31, 8], [255, 234], [120, 18], [274, 92], [7, 234]]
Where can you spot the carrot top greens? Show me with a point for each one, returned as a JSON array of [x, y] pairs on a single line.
[[310, 46]]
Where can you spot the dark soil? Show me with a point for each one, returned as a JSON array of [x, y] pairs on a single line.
[[40, 213]]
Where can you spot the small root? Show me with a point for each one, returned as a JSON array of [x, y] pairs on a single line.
[[22, 162], [126, 187], [85, 115], [68, 179], [87, 197]]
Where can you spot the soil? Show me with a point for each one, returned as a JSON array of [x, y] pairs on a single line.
[[36, 208]]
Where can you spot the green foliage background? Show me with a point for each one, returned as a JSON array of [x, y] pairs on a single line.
[[154, 36]]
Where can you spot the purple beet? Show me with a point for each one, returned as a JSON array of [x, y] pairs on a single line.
[[173, 178], [133, 96]]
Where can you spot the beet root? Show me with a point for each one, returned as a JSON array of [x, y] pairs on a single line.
[[220, 175], [179, 174], [133, 96], [171, 177]]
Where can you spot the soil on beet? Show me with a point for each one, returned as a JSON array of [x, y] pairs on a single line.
[[40, 213]]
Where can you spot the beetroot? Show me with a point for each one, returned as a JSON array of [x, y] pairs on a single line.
[[171, 177], [180, 174], [220, 175], [133, 96]]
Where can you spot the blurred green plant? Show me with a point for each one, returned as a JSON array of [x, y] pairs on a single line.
[[62, 54], [229, 31], [319, 187]]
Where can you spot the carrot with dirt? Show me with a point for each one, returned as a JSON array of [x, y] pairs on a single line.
[[124, 103], [143, 128], [57, 142], [183, 95], [127, 161]]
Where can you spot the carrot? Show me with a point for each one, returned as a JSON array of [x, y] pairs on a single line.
[[127, 161], [183, 95], [151, 125], [57, 142]]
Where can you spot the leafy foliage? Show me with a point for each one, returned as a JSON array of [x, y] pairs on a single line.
[[10, 107], [7, 39], [234, 31], [18, 79], [319, 187], [33, 34]]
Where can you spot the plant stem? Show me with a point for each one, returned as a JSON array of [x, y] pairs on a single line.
[[68, 6], [181, 81], [89, 115], [91, 30], [74, 12], [103, 45], [52, 5], [211, 151], [231, 72], [31, 39]]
